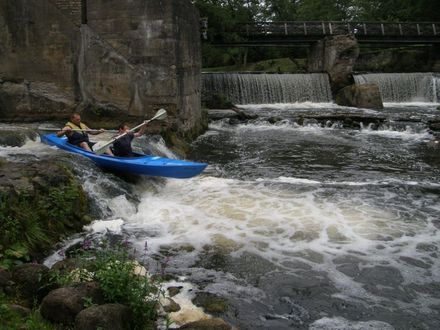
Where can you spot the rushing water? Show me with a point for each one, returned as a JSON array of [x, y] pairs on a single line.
[[404, 87], [268, 88], [309, 226]]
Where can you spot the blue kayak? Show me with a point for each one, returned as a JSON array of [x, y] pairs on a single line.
[[143, 164]]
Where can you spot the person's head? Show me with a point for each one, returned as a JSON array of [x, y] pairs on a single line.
[[123, 128], [75, 118]]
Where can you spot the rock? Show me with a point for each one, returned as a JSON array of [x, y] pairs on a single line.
[[434, 126], [273, 120], [217, 114], [174, 290], [209, 324], [45, 201], [20, 310], [243, 115], [211, 303], [15, 138], [170, 306], [335, 55], [32, 281], [5, 279], [360, 96], [65, 266], [62, 305], [108, 316]]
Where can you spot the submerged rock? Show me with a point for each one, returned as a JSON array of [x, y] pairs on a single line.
[[208, 324], [211, 303]]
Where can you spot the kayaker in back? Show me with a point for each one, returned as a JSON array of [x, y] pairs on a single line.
[[122, 146], [78, 133]]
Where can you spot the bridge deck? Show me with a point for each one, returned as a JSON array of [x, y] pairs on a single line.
[[308, 32]]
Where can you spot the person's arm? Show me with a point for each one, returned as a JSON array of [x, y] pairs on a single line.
[[65, 130], [141, 131], [95, 131]]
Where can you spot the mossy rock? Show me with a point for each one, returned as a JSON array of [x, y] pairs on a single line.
[[211, 303], [40, 204]]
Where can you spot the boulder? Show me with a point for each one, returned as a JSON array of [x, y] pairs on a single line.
[[208, 324], [16, 138], [337, 56], [5, 279], [108, 316], [22, 311], [360, 96], [62, 305], [32, 281]]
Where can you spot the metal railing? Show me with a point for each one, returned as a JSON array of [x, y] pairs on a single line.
[[322, 28]]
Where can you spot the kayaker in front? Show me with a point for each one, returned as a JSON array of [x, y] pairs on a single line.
[[77, 133], [122, 146]]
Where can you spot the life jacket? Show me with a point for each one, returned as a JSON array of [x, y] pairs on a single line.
[[77, 137]]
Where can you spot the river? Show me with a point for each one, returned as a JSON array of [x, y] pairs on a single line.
[[296, 226]]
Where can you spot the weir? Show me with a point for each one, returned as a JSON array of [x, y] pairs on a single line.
[[268, 88], [404, 87]]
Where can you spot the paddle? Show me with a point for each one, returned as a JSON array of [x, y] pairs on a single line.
[[101, 146], [76, 129]]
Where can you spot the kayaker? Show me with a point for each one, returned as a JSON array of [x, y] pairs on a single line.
[[78, 133], [122, 146]]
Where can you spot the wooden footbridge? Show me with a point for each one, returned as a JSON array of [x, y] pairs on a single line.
[[291, 33]]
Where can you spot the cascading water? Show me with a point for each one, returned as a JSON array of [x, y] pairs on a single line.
[[404, 87], [268, 88]]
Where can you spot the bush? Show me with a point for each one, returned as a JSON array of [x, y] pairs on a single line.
[[121, 280]]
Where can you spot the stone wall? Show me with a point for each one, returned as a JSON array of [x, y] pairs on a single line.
[[37, 50], [133, 56], [160, 40], [70, 8], [337, 56]]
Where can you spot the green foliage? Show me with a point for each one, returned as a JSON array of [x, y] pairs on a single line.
[[12, 320], [226, 16], [120, 279], [31, 224]]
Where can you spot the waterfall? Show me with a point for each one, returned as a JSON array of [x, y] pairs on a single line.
[[268, 88], [404, 87]]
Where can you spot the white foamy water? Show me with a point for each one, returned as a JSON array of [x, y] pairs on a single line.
[[283, 224]]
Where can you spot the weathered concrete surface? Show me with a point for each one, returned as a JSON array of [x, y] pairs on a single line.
[[132, 57], [337, 56], [37, 52], [360, 96]]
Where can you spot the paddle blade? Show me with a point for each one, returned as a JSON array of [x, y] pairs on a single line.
[[161, 114]]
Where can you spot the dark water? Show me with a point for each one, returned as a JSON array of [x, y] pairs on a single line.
[[296, 226]]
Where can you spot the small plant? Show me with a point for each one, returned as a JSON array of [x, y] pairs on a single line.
[[121, 278], [12, 320]]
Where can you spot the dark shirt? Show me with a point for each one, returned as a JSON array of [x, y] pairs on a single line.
[[122, 146]]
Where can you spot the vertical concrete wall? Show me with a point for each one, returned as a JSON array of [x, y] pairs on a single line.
[[133, 56], [160, 42]]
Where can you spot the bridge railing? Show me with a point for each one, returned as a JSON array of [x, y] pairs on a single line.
[[321, 28]]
